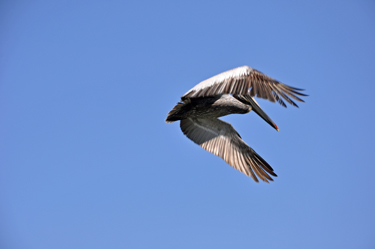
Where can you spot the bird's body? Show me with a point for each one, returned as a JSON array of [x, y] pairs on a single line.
[[230, 92], [209, 107]]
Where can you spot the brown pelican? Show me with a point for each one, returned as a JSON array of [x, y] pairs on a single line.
[[228, 93]]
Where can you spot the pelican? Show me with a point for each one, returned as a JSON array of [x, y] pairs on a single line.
[[228, 93]]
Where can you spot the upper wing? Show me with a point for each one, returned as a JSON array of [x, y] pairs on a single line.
[[245, 80], [221, 139]]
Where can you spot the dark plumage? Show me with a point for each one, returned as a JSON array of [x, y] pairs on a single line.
[[229, 93]]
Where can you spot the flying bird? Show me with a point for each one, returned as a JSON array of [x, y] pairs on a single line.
[[228, 93]]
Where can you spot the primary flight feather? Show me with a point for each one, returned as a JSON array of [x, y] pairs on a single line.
[[228, 93]]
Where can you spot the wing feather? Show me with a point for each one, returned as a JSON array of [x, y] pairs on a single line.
[[246, 80], [221, 139]]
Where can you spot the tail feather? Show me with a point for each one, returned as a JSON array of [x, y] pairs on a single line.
[[173, 114]]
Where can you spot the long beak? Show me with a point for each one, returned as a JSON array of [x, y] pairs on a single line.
[[256, 108]]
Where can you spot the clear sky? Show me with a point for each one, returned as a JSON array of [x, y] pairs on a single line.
[[87, 160]]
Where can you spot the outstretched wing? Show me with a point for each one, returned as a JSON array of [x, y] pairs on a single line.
[[221, 139], [246, 81]]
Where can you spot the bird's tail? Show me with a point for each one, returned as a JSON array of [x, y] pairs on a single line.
[[175, 113]]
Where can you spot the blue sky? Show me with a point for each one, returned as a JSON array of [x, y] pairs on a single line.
[[87, 160]]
